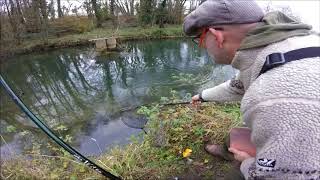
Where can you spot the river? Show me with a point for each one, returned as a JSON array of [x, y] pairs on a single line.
[[79, 93]]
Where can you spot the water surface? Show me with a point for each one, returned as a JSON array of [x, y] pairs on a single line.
[[78, 92]]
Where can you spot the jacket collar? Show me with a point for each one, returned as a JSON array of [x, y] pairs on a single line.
[[243, 59]]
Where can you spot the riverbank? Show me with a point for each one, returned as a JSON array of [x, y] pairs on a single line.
[[71, 40], [163, 154]]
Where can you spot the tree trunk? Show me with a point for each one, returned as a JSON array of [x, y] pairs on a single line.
[[26, 3], [112, 7], [132, 7], [178, 8], [112, 14], [21, 17], [87, 5], [97, 13], [52, 10], [123, 7], [162, 13], [126, 4], [44, 19], [12, 20], [60, 14], [36, 22]]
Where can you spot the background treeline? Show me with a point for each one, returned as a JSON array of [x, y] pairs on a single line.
[[42, 19]]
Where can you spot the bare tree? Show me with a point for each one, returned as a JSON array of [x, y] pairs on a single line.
[[22, 19], [193, 4], [283, 8], [112, 7], [126, 7], [44, 19], [176, 8], [60, 14], [132, 7], [97, 13], [36, 21], [88, 7], [51, 10], [112, 13], [26, 3], [13, 19]]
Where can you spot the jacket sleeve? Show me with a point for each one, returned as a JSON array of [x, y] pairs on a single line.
[[229, 91]]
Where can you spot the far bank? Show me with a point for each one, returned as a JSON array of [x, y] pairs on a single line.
[[71, 40]]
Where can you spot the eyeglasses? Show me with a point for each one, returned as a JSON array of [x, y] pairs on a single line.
[[199, 40]]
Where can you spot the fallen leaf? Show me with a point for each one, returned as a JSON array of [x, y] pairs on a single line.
[[186, 153]]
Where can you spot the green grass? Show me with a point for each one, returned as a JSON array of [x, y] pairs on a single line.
[[170, 131], [132, 33]]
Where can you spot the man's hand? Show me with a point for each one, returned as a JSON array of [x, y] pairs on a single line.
[[196, 100], [239, 155]]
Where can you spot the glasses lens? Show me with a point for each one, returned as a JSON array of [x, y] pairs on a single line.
[[196, 40]]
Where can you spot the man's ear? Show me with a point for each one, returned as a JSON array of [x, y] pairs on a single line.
[[218, 36]]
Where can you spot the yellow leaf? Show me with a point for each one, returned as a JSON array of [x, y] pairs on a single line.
[[82, 169], [206, 161], [65, 165], [186, 153]]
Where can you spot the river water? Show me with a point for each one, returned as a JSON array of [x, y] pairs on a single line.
[[78, 92]]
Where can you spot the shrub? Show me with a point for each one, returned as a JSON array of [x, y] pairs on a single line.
[[71, 24], [158, 33]]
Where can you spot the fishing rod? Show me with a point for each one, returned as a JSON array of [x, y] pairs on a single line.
[[77, 155]]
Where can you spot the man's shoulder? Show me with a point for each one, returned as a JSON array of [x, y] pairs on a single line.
[[295, 80], [292, 43], [251, 61]]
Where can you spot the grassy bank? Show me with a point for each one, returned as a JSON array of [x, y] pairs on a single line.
[[130, 33], [171, 130]]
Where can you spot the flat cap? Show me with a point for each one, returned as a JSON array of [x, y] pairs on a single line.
[[220, 12]]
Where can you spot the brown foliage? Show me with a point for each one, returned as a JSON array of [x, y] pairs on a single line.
[[71, 24]]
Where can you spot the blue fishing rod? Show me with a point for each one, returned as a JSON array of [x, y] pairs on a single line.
[[77, 155]]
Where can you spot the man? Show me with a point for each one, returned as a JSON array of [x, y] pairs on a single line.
[[278, 84]]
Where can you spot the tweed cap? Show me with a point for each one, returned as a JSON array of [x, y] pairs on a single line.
[[219, 12]]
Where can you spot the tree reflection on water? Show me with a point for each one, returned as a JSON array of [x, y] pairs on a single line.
[[81, 90]]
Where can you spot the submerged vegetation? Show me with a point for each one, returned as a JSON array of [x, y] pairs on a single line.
[[173, 147]]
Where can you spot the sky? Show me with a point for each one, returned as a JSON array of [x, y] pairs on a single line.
[[307, 10]]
